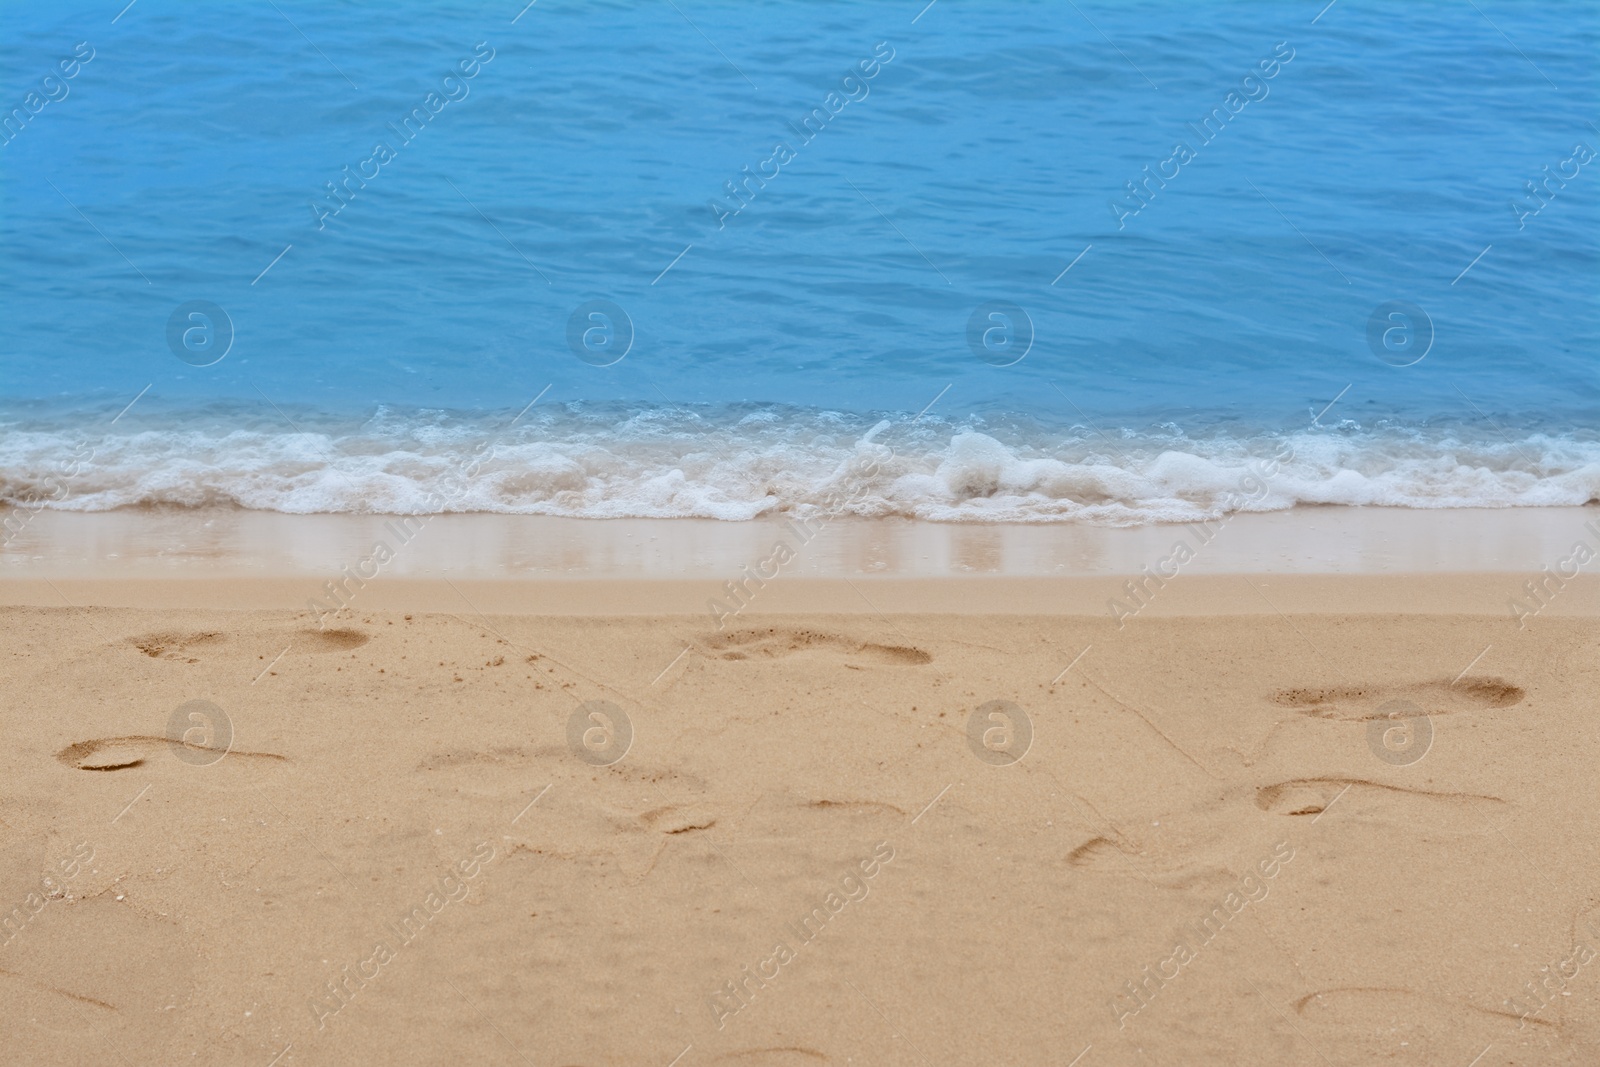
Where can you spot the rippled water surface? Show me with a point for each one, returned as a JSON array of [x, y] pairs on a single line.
[[1120, 258]]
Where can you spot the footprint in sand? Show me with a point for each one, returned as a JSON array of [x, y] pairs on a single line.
[[1361, 703], [329, 640], [125, 753], [852, 807], [1372, 1010], [1197, 866], [775, 643], [1467, 812], [509, 771], [677, 819], [175, 644]]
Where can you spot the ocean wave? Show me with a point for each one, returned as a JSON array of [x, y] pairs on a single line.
[[741, 464]]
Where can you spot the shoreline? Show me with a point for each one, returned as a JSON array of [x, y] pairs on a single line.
[[228, 542], [1344, 560]]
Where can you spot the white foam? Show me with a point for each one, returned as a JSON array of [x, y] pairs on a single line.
[[670, 464]]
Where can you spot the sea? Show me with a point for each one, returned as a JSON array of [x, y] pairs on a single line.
[[1076, 261]]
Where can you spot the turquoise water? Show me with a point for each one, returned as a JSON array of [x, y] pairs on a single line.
[[721, 244]]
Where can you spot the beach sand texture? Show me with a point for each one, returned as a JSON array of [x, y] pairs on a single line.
[[421, 848]]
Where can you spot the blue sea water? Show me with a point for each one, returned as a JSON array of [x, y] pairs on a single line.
[[755, 257]]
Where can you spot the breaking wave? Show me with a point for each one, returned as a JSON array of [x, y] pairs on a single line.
[[740, 463]]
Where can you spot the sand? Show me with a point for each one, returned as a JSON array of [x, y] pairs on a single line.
[[612, 836]]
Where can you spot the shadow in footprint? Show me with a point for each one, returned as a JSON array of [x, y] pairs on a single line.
[[1359, 703], [329, 640], [792, 1056], [775, 643], [675, 819], [1099, 853]]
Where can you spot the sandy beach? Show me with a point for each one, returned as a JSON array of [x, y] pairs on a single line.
[[782, 535], [1289, 818]]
